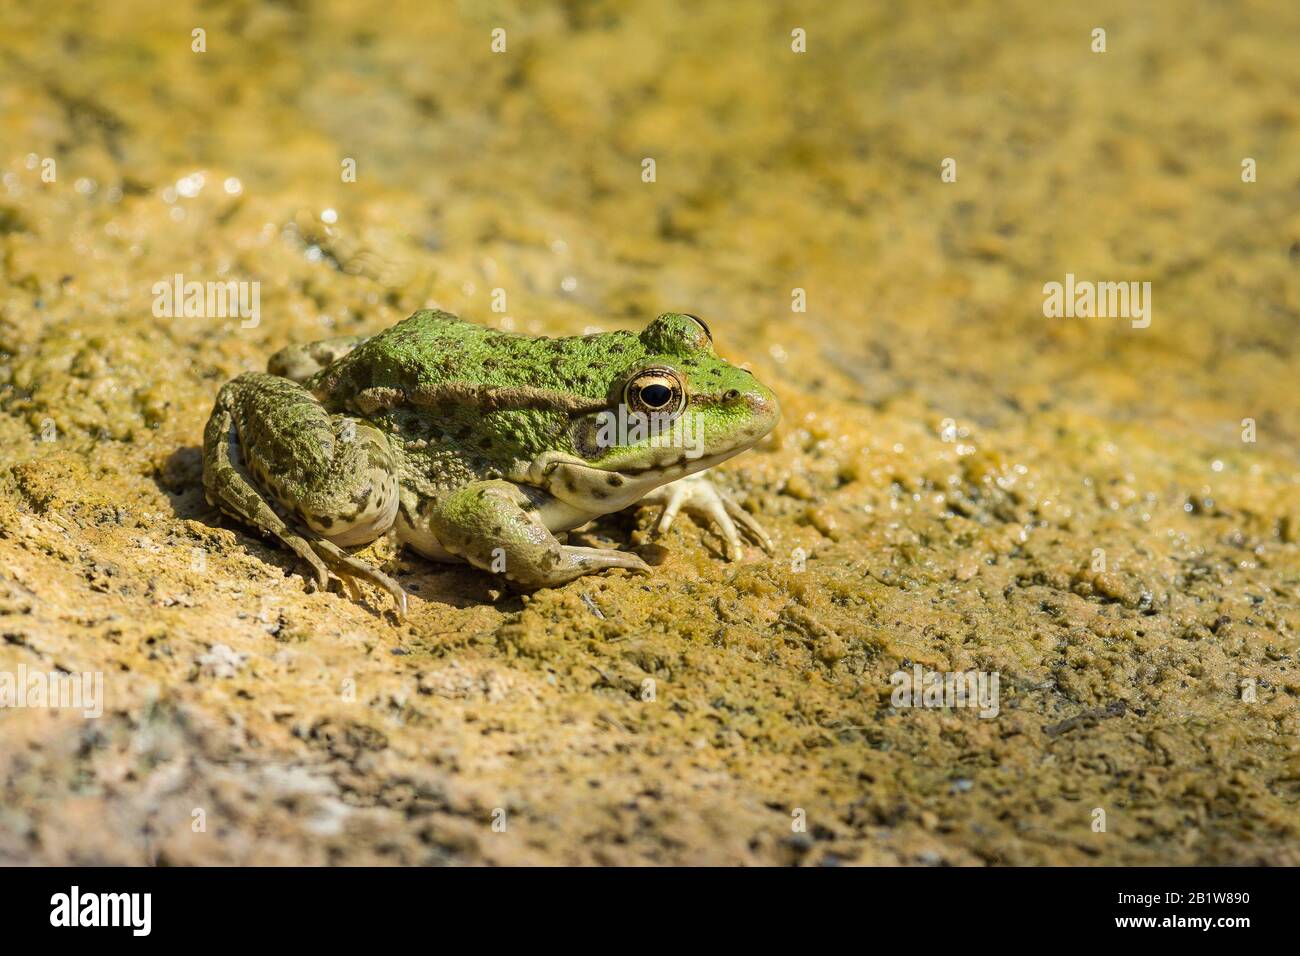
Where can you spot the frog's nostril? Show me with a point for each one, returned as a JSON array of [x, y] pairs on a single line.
[[763, 404], [730, 395]]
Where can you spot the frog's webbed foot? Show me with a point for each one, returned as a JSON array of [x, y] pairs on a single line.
[[347, 569], [587, 560], [698, 496]]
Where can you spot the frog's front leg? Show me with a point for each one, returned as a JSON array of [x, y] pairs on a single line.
[[334, 475], [498, 526], [698, 496]]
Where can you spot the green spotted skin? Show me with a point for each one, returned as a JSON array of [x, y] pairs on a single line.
[[469, 443], [432, 349]]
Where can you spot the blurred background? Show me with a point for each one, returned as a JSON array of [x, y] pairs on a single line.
[[949, 460]]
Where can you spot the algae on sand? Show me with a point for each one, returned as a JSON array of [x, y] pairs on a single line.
[[1106, 517]]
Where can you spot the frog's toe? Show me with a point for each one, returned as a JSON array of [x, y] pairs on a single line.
[[302, 548], [560, 564], [671, 508], [601, 559], [698, 496], [754, 531], [347, 568]]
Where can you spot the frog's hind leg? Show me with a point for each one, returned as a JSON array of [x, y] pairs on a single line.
[[268, 435], [497, 526], [300, 362]]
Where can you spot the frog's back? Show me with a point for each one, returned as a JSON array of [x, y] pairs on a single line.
[[436, 348], [428, 343]]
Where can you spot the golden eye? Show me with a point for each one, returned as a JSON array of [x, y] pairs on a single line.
[[656, 391]]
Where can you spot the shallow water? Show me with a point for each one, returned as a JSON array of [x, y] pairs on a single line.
[[1104, 515]]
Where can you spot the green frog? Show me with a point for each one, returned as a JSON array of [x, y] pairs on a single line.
[[477, 445]]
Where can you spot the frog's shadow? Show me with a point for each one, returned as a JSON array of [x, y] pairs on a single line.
[[181, 480]]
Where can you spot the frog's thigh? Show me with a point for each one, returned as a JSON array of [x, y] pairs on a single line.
[[334, 474], [227, 488], [496, 526]]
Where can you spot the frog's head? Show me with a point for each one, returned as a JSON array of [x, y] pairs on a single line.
[[676, 409]]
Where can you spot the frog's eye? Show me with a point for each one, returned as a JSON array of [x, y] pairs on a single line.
[[707, 333], [656, 391]]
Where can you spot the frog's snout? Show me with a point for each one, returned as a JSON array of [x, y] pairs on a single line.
[[763, 403], [761, 408]]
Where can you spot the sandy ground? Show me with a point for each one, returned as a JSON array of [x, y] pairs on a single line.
[[959, 483]]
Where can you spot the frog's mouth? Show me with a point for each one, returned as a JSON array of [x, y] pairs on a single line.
[[640, 481], [600, 490]]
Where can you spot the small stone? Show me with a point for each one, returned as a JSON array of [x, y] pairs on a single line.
[[823, 521], [797, 486]]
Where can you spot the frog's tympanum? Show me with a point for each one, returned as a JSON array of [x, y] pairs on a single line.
[[477, 445]]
